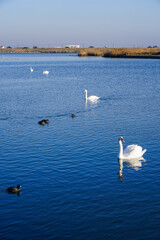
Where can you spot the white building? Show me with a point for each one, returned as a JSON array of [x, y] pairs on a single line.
[[72, 46]]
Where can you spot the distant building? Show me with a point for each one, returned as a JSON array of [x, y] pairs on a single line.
[[72, 46], [1, 47]]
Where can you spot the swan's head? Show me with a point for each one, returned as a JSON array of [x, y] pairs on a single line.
[[121, 139], [85, 91]]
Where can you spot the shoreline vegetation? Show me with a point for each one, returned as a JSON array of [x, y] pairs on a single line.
[[99, 52]]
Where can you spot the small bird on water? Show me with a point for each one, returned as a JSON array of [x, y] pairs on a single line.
[[14, 189], [46, 121], [43, 122]]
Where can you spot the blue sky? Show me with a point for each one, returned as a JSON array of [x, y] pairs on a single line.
[[52, 23]]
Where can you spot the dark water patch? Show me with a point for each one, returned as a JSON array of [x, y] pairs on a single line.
[[4, 119]]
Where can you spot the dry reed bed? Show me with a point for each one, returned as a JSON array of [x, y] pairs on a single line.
[[38, 50], [82, 52], [122, 52]]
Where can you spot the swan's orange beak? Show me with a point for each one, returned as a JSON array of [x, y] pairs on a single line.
[[123, 140]]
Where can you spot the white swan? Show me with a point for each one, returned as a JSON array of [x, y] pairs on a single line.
[[91, 98], [31, 69], [131, 151], [45, 72]]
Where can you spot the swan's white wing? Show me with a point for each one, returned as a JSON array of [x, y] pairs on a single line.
[[131, 148], [133, 151], [93, 98]]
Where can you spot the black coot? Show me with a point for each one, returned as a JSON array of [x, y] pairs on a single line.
[[14, 189], [43, 122]]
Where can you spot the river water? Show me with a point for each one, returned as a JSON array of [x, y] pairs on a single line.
[[73, 186]]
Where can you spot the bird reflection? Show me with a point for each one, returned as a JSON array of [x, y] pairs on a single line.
[[92, 104], [120, 173], [135, 163], [17, 194], [86, 107]]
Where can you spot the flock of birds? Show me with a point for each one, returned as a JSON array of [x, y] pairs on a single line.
[[131, 152]]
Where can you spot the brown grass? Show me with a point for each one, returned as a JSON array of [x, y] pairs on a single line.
[[122, 52], [38, 50], [83, 52]]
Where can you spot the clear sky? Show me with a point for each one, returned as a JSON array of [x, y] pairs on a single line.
[[53, 23]]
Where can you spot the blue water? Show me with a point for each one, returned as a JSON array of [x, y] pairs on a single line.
[[73, 186]]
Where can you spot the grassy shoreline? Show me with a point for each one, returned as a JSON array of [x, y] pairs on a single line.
[[38, 50], [122, 52], [99, 52]]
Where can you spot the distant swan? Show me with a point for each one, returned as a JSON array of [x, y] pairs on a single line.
[[31, 69], [91, 98], [45, 72], [131, 151]]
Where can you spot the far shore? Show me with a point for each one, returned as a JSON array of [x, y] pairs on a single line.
[[153, 53]]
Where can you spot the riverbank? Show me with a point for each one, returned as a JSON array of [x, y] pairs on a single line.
[[84, 52], [38, 50], [122, 52]]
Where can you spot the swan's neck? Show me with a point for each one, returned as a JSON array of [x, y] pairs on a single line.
[[121, 149], [86, 95]]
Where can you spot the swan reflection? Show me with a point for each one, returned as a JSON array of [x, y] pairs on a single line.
[[120, 161], [86, 107], [135, 163], [92, 104]]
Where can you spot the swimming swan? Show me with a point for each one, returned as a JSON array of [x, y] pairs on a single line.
[[45, 72], [91, 98], [131, 151], [31, 69]]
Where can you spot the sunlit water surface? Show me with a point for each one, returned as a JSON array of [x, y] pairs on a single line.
[[73, 186]]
